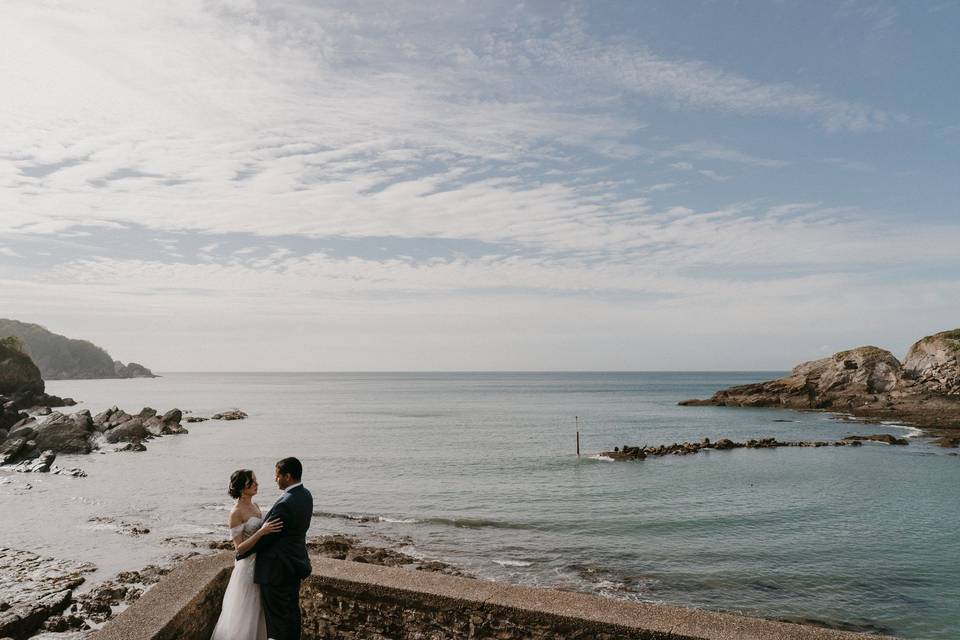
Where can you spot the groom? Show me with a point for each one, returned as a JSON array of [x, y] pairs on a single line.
[[282, 560]]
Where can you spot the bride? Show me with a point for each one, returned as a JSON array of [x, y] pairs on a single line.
[[241, 617]]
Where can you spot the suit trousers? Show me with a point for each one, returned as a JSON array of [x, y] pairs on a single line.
[[281, 608]]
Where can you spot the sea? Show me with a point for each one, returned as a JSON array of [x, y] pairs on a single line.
[[480, 470]]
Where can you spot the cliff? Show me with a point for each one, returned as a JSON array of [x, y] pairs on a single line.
[[62, 358], [869, 382]]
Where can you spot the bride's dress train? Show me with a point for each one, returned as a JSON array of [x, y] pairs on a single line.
[[241, 617]]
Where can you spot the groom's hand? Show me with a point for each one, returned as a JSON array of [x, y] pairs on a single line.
[[274, 525]]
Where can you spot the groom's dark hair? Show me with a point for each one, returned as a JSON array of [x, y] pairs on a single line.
[[291, 466]]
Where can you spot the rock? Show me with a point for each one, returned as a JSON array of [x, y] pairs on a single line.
[[132, 370], [934, 362], [26, 430], [11, 450], [66, 433], [40, 464], [233, 414], [128, 431], [724, 443], [34, 589], [132, 446], [20, 378], [196, 419], [3, 434], [174, 415], [867, 382], [885, 438], [44, 411], [948, 442]]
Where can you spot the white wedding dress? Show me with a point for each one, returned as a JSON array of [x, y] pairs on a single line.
[[241, 617]]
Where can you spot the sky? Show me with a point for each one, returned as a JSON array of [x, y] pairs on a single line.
[[234, 185]]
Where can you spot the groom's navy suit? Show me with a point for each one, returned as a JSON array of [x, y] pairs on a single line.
[[282, 562]]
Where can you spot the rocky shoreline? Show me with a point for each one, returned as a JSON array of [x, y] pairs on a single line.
[[870, 383], [39, 599]]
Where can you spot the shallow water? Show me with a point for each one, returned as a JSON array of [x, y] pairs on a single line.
[[479, 470]]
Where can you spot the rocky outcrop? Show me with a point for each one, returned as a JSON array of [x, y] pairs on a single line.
[[868, 382], [934, 363], [132, 370], [62, 358], [32, 445], [21, 387], [19, 376], [34, 588]]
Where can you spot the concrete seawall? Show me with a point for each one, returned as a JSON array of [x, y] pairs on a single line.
[[360, 601]]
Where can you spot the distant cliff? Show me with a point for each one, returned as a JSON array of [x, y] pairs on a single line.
[[869, 382], [62, 358]]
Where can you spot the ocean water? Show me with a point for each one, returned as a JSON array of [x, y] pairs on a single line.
[[480, 470]]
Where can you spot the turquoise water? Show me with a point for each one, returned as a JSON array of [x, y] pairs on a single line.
[[479, 470]]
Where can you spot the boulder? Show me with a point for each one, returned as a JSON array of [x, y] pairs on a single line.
[[40, 464], [948, 442], [233, 414], [66, 433], [934, 362], [885, 438], [128, 431], [11, 449], [26, 429]]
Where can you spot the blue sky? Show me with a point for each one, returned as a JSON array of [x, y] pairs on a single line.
[[240, 185]]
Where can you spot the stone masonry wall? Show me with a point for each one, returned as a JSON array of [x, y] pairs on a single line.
[[358, 601]]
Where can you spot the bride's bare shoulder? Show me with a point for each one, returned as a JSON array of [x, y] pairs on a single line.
[[236, 517]]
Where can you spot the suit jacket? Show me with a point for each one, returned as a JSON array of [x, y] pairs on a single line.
[[282, 557]]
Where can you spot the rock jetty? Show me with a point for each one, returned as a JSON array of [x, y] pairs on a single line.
[[868, 382], [689, 448]]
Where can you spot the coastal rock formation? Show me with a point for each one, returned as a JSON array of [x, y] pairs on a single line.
[[868, 382], [132, 370], [934, 362], [688, 448], [34, 588], [62, 358], [19, 376], [21, 387], [32, 445]]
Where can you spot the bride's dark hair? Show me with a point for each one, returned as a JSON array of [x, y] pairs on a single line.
[[239, 480]]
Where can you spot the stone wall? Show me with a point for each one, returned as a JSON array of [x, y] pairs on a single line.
[[358, 601], [184, 605]]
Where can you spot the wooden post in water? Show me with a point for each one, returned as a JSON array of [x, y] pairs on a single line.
[[577, 418]]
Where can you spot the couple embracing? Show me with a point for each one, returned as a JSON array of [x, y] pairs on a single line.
[[262, 600]]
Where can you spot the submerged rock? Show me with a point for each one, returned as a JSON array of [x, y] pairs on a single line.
[[233, 414]]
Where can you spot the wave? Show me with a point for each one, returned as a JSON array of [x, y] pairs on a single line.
[[912, 432], [354, 517], [601, 457], [459, 523], [513, 563]]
